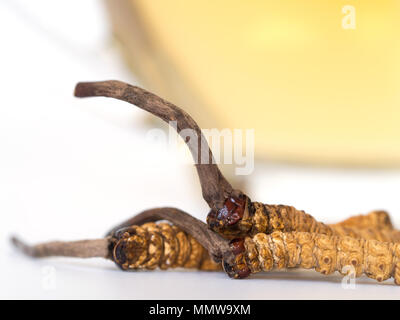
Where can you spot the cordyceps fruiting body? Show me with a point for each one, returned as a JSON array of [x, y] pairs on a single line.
[[232, 212], [148, 245], [326, 254], [245, 236]]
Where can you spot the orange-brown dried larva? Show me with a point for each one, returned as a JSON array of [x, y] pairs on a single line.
[[259, 217], [325, 254], [159, 245]]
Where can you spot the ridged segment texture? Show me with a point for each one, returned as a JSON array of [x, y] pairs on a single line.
[[324, 253], [159, 245], [270, 218], [376, 219]]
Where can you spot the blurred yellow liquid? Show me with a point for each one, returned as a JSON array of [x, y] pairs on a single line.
[[318, 80]]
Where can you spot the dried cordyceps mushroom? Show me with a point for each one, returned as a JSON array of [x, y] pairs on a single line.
[[260, 237], [143, 245], [232, 213], [163, 245]]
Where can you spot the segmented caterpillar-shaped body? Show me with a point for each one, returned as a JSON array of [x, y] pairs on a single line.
[[376, 220], [324, 253], [161, 245], [270, 218], [241, 217]]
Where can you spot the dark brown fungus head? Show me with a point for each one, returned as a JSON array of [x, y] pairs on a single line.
[[233, 219], [237, 269]]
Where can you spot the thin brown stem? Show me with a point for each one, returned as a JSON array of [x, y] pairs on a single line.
[[79, 249], [215, 244], [215, 188]]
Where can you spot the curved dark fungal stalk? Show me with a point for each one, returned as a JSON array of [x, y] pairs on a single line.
[[229, 207], [215, 188]]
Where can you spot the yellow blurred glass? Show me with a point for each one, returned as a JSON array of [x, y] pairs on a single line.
[[318, 80]]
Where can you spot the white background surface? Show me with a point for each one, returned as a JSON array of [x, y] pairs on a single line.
[[71, 169]]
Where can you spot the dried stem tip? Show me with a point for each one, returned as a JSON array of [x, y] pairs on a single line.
[[215, 188], [79, 249]]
